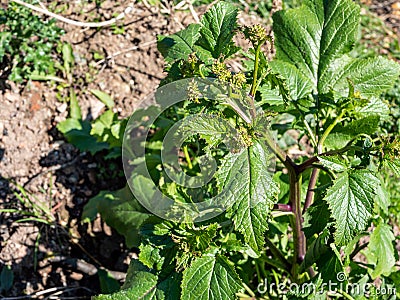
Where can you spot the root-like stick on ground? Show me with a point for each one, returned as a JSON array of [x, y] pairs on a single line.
[[45, 11]]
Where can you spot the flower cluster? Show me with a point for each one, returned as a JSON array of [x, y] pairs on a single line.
[[220, 69], [256, 34]]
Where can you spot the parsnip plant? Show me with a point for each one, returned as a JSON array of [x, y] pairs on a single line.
[[320, 220]]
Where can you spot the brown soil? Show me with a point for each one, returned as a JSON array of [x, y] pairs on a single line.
[[61, 258]]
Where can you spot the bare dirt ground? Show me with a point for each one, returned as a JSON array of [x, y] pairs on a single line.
[[61, 258], [65, 256]]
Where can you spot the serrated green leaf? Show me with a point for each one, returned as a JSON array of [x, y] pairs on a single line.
[[120, 210], [370, 77], [213, 129], [104, 97], [218, 27], [299, 85], [351, 201], [333, 163], [314, 35], [141, 283], [316, 218], [269, 96], [179, 45], [367, 125], [150, 257], [341, 135], [375, 106], [209, 278], [394, 165], [380, 251], [249, 191]]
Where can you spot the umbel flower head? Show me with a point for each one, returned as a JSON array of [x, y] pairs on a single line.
[[256, 34]]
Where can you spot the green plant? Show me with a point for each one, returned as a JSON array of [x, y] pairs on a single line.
[[33, 209], [104, 133], [309, 222], [28, 42]]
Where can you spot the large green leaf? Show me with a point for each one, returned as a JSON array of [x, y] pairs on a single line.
[[210, 277], [77, 132], [299, 85], [380, 250], [141, 283], [370, 76], [249, 191], [312, 36], [330, 266], [212, 128], [120, 210], [316, 249], [341, 135], [316, 218], [351, 200], [316, 37], [217, 30], [179, 45]]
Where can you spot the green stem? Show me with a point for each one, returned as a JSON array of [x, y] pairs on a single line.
[[310, 133], [278, 254], [328, 131], [187, 157], [315, 172], [255, 73], [255, 79], [282, 156]]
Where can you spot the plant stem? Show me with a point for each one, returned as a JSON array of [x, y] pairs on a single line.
[[297, 220], [358, 249], [255, 71], [310, 190], [315, 171], [187, 157], [283, 207], [282, 156], [310, 133], [328, 131], [278, 254], [255, 79]]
